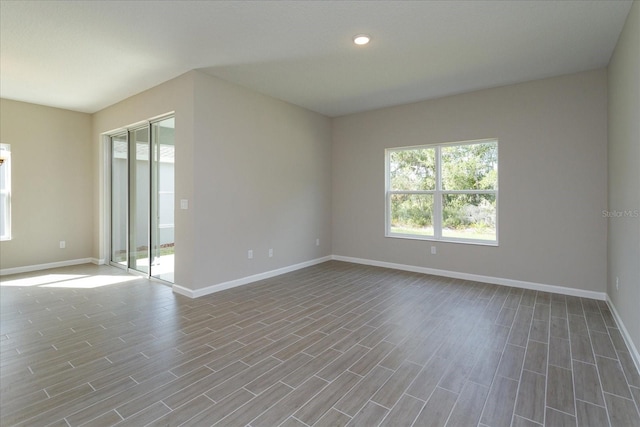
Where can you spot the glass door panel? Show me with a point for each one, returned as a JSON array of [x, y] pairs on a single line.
[[139, 199], [119, 209], [162, 204]]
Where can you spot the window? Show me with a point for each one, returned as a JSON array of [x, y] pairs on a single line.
[[446, 192], [5, 192]]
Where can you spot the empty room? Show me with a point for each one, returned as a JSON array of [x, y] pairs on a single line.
[[320, 213]]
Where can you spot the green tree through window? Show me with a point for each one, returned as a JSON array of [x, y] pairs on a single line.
[[443, 192]]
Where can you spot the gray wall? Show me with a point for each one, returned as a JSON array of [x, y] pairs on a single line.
[[624, 175], [51, 184], [262, 177], [553, 184]]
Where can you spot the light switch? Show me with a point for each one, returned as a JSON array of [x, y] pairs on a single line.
[[184, 204]]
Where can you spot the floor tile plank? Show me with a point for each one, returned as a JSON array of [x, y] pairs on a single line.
[[323, 401], [587, 383], [396, 385], [437, 409], [530, 401], [498, 410], [404, 412], [622, 412], [560, 394], [468, 408], [590, 415]]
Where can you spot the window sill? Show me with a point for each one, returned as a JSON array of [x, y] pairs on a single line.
[[444, 239]]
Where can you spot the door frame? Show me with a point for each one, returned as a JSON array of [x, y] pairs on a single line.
[[107, 187]]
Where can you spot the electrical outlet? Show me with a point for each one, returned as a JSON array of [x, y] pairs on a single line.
[[250, 254], [63, 244], [617, 283], [433, 250], [270, 253], [317, 242]]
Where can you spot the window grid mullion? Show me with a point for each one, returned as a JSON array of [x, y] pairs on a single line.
[[469, 192], [412, 192]]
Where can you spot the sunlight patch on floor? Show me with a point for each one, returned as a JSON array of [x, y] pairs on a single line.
[[40, 280], [68, 281]]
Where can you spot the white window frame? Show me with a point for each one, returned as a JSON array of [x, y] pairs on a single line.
[[437, 193], [5, 168]]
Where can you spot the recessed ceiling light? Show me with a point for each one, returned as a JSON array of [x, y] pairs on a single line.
[[361, 39]]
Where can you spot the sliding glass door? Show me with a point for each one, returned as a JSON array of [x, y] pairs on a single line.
[[119, 199], [142, 201], [162, 201], [139, 199]]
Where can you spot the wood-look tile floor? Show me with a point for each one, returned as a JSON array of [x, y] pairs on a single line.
[[330, 345]]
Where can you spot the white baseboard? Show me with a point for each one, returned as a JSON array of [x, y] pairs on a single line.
[[98, 261], [246, 280], [478, 278], [416, 269], [182, 291], [28, 268], [635, 355]]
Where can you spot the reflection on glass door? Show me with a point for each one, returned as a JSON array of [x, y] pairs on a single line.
[[162, 204], [139, 201], [119, 197], [142, 199]]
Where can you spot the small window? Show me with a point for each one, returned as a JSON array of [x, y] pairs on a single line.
[[5, 192], [446, 192]]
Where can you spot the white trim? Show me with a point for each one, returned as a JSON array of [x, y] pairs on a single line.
[[181, 290], [635, 355], [246, 280], [105, 199], [478, 278], [28, 268], [6, 192], [98, 261], [427, 238]]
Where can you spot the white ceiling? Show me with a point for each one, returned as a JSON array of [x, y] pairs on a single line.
[[87, 55]]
